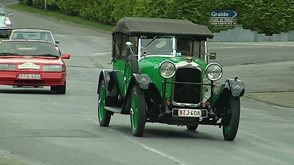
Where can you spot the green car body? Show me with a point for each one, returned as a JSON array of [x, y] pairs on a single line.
[[161, 73]]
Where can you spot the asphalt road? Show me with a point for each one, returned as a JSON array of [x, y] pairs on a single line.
[[41, 128]]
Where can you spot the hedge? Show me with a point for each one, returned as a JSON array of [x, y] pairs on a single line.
[[265, 16]]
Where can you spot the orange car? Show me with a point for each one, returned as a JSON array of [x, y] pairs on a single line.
[[32, 63]]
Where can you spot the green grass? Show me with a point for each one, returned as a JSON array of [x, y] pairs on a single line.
[[61, 16]]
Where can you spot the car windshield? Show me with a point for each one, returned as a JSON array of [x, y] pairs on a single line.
[[45, 36], [157, 45], [28, 49], [2, 12], [185, 46]]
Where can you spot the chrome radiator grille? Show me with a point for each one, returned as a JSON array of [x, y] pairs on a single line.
[[183, 92]]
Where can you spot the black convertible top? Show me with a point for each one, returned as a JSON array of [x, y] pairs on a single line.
[[160, 26]]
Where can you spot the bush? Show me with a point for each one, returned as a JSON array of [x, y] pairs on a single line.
[[264, 16], [28, 2], [70, 7]]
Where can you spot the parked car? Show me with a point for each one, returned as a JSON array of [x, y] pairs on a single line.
[[34, 34], [162, 73], [32, 63], [5, 23]]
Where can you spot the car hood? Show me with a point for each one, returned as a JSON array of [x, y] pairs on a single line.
[[30, 59], [155, 61]]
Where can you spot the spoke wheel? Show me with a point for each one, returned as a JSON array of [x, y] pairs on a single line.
[[103, 115], [232, 118], [138, 111]]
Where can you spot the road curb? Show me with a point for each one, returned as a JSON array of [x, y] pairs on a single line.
[[273, 98]]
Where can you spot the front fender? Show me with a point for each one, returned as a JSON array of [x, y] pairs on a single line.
[[236, 87], [143, 80], [109, 77], [150, 90], [104, 75], [231, 87]]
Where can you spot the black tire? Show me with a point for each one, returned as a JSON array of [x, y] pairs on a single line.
[[137, 111], [134, 64], [104, 116], [192, 127], [232, 118], [131, 67], [59, 89]]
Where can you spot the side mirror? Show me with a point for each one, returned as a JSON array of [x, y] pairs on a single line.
[[212, 56], [65, 56], [57, 41], [128, 43]]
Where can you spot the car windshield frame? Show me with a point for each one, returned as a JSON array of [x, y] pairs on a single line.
[[147, 47], [157, 45]]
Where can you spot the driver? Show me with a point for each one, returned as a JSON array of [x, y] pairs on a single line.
[[183, 46]]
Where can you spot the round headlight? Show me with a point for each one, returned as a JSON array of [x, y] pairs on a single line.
[[167, 69], [7, 22], [214, 71]]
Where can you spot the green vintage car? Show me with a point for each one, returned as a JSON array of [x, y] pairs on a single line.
[[161, 73]]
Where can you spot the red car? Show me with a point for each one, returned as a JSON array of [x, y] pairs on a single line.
[[32, 63]]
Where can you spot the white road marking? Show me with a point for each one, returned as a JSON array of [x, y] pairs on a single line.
[[97, 54], [144, 146], [224, 47]]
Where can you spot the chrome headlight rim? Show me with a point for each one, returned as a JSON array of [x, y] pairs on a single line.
[[166, 64], [53, 68], [214, 64]]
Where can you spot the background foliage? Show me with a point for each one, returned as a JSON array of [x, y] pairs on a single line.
[[265, 16]]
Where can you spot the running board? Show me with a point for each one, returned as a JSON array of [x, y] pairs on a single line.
[[113, 109]]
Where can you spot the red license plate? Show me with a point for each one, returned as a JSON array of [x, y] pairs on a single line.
[[29, 76]]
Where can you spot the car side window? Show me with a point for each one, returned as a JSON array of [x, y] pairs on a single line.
[[117, 44], [184, 46], [125, 49], [134, 41], [198, 49]]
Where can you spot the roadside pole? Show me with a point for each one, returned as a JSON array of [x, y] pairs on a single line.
[[45, 5]]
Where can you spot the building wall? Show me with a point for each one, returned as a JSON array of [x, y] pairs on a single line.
[[243, 35]]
